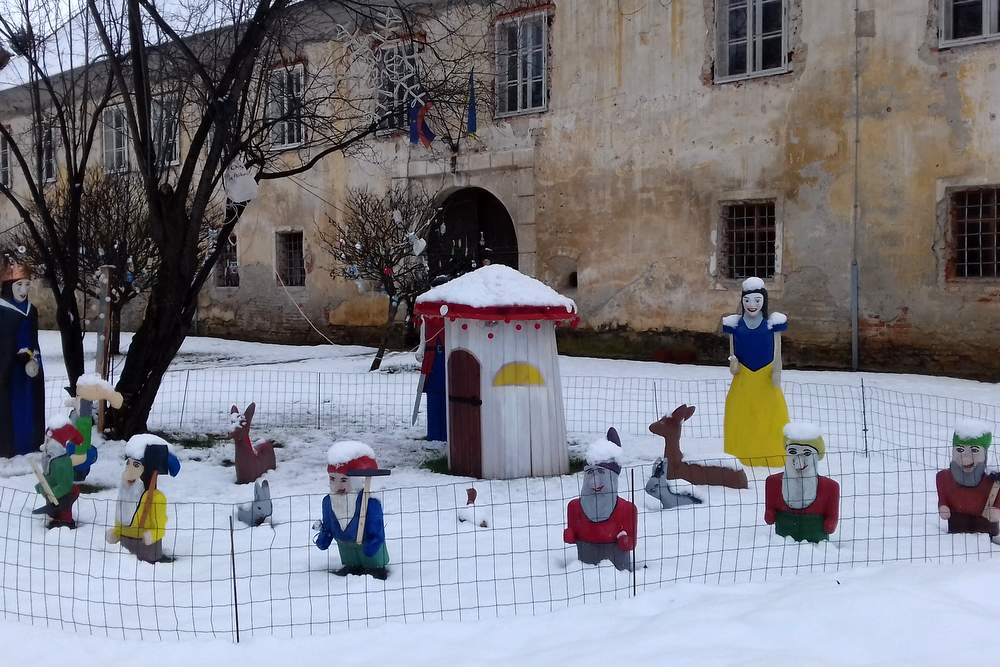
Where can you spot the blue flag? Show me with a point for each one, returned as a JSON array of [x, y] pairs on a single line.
[[473, 123]]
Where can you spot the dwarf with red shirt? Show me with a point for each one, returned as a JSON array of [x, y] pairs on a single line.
[[968, 498], [799, 502], [600, 524]]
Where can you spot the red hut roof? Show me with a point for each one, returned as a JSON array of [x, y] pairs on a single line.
[[495, 292]]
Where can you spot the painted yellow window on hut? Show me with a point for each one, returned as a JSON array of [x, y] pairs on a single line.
[[518, 373]]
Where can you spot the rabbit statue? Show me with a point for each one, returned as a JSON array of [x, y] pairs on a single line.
[[659, 488], [255, 513], [252, 460]]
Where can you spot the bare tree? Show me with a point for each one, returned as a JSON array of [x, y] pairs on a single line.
[[276, 85], [379, 239]]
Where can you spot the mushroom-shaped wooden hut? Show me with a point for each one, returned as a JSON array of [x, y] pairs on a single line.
[[505, 410]]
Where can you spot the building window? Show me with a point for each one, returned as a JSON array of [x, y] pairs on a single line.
[[752, 38], [166, 129], [6, 175], [522, 63], [291, 260], [47, 155], [227, 270], [749, 239], [969, 20], [284, 109], [115, 141], [397, 80], [975, 218]]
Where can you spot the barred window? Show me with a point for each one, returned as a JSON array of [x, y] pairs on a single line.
[[115, 134], [397, 81], [166, 129], [975, 224], [522, 63], [291, 260], [284, 109], [749, 239], [969, 20], [752, 38], [227, 270], [5, 171]]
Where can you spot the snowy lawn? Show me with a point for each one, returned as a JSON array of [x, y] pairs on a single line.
[[443, 569], [896, 615]]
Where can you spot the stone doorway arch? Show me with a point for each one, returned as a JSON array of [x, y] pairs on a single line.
[[473, 228]]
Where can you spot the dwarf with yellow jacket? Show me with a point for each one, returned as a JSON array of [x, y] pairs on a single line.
[[141, 510]]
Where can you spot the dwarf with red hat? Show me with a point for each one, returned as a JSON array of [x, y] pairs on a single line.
[[352, 517], [65, 464]]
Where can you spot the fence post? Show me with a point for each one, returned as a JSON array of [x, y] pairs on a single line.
[[319, 400], [184, 397], [656, 403], [864, 415], [232, 557], [636, 536]]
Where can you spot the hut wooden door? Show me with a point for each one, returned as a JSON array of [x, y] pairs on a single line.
[[465, 436]]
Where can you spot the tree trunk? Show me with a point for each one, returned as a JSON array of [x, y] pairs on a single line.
[[377, 361], [70, 335]]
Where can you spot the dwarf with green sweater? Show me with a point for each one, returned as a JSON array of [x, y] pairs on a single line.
[[968, 498], [799, 502]]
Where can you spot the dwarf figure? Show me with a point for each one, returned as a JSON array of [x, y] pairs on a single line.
[[351, 517], [600, 524], [968, 498], [56, 480], [22, 380], [799, 502], [141, 512]]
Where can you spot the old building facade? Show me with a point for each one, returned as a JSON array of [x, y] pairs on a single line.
[[645, 155]]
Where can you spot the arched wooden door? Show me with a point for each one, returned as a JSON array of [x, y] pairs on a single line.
[[465, 434]]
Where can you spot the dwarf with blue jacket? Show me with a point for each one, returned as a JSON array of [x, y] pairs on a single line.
[[351, 517]]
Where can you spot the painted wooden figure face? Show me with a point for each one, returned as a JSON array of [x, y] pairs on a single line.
[[133, 471], [19, 289], [599, 493], [753, 304], [968, 464], [799, 483], [340, 484]]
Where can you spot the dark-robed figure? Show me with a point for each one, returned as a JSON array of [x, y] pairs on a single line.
[[22, 381]]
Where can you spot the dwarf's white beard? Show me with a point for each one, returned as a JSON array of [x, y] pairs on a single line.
[[798, 488], [342, 508], [53, 449], [129, 496]]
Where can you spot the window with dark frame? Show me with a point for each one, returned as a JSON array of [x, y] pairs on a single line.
[[48, 155], [115, 136], [284, 107], [752, 38], [522, 46], [397, 76], [166, 129], [749, 239], [291, 259], [975, 215], [227, 270], [6, 175], [969, 20]]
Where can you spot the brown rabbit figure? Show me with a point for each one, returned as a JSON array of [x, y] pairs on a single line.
[[252, 460]]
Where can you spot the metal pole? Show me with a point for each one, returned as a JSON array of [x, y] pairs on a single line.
[[103, 361], [856, 212], [232, 556], [636, 537]]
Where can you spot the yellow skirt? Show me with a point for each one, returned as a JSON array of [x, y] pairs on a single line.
[[756, 415]]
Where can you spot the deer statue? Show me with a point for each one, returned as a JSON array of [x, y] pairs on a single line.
[[252, 460], [669, 428]]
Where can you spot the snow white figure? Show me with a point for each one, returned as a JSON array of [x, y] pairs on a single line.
[[756, 411], [22, 383]]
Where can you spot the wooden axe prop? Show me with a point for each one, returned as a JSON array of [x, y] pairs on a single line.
[[367, 474], [669, 428]]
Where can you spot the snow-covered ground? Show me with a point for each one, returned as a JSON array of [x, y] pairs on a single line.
[[443, 569]]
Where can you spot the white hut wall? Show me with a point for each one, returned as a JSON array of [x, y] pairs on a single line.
[[549, 454]]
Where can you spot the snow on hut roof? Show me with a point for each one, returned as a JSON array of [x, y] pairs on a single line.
[[500, 292]]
